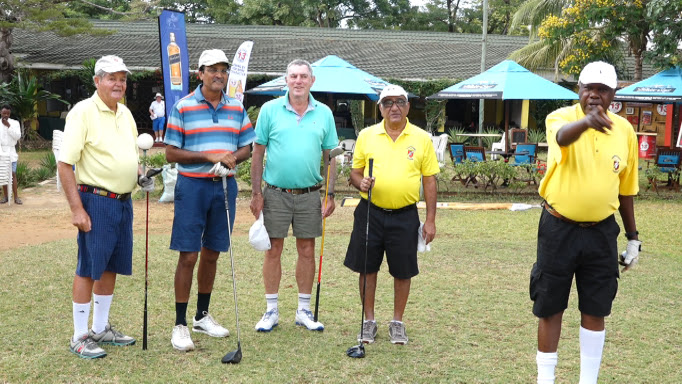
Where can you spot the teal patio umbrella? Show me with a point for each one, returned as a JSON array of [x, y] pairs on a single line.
[[506, 81], [332, 75], [663, 87]]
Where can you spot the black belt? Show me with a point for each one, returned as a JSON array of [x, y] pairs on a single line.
[[296, 191], [391, 211], [103, 192], [561, 217]]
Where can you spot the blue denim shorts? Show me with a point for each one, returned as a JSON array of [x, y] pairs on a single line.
[[200, 218], [158, 123], [14, 167], [109, 244]]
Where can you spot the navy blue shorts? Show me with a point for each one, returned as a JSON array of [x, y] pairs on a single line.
[[200, 218], [109, 244], [565, 250], [392, 232]]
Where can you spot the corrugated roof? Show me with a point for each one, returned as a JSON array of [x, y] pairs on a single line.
[[384, 53]]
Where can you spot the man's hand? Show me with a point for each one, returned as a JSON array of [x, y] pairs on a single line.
[[630, 256], [256, 205], [219, 170], [597, 119], [328, 209], [81, 220], [228, 159], [147, 183]]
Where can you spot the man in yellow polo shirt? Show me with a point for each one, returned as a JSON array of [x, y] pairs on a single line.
[[403, 158], [100, 139], [591, 172]]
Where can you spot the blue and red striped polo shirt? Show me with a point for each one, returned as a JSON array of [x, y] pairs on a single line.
[[194, 125]]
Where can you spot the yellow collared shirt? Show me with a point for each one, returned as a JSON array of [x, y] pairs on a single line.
[[102, 144], [398, 166], [584, 179]]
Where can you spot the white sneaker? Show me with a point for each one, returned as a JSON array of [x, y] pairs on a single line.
[[305, 318], [181, 339], [209, 326], [269, 320]]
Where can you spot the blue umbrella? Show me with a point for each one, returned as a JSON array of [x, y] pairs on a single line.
[[663, 87], [506, 81], [332, 75]]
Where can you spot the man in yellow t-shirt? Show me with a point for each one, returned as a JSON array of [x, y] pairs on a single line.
[[591, 172], [403, 158]]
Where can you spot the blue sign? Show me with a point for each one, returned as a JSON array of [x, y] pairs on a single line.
[[174, 57]]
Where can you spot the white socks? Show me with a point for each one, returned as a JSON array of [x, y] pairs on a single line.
[[100, 312], [547, 362], [271, 300], [591, 349], [304, 301], [81, 314]]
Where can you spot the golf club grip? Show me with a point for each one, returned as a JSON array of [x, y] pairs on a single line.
[[371, 168]]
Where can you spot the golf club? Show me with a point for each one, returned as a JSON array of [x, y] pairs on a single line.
[[233, 357], [332, 154], [358, 351], [144, 142]]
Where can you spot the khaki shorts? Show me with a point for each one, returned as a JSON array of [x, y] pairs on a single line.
[[303, 212]]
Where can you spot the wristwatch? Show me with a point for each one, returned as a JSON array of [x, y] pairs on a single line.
[[631, 235], [330, 194]]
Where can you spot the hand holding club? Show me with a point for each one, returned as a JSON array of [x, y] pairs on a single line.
[[630, 256]]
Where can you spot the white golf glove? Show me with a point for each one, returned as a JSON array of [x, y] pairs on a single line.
[[220, 170], [146, 183], [630, 255]]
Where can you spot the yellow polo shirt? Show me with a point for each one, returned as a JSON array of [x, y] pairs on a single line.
[[584, 179], [102, 145], [398, 166]]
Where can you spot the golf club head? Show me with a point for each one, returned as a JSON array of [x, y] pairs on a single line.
[[356, 351], [151, 172], [233, 357], [336, 151]]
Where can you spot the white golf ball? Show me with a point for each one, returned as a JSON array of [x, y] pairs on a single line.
[[145, 141]]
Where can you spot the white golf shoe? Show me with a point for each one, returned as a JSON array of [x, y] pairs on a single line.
[[181, 339], [269, 320], [305, 318], [209, 326]]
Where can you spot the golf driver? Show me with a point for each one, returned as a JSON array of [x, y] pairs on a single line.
[[144, 142], [358, 351], [233, 357], [332, 154]]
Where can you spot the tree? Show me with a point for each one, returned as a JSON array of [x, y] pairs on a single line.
[[666, 32]]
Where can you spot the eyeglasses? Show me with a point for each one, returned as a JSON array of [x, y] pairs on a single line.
[[389, 103], [213, 71]]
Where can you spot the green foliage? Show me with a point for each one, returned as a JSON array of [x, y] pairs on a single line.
[[488, 141], [357, 116], [253, 113], [49, 162], [25, 178], [244, 171], [453, 138], [42, 173], [537, 136], [156, 160], [665, 18], [544, 108], [488, 173]]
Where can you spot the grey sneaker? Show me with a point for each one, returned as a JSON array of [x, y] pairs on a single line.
[[86, 348], [369, 332], [111, 336], [396, 331]]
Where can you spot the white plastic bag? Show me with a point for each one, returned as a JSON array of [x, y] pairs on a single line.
[[170, 176], [421, 241], [258, 235]]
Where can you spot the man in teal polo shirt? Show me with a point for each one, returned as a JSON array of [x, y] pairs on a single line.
[[297, 132]]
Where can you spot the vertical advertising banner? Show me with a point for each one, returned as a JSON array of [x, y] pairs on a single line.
[[174, 57], [236, 83]]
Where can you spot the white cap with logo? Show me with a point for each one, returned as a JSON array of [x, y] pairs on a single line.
[[599, 72], [110, 64], [392, 90], [211, 57]]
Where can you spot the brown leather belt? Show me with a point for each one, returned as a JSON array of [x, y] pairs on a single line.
[[296, 191], [559, 216]]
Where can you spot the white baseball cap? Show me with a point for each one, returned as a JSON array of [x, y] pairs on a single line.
[[110, 64], [392, 90], [599, 72], [211, 57], [158, 95]]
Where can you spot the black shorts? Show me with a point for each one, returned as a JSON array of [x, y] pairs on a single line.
[[566, 249], [392, 232]]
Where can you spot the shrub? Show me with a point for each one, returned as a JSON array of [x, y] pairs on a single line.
[[49, 162], [42, 173], [25, 178], [156, 160]]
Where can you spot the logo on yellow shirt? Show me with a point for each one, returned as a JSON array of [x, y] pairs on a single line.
[[616, 163], [410, 153]]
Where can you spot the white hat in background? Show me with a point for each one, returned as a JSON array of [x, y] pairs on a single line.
[[158, 95], [110, 64], [599, 72], [211, 57], [392, 90]]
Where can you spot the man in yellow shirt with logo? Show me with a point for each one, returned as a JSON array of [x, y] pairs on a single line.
[[403, 158], [591, 172]]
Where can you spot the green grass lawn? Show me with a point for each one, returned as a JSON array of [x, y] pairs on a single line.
[[468, 317]]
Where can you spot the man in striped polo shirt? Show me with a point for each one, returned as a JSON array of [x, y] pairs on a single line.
[[204, 128]]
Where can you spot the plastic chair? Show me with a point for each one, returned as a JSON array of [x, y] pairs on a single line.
[[525, 155], [6, 175], [474, 153], [498, 146], [440, 142], [457, 153], [518, 136], [57, 137]]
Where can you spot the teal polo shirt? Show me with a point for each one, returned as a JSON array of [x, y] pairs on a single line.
[[294, 143]]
